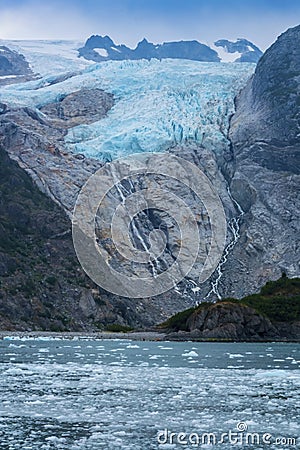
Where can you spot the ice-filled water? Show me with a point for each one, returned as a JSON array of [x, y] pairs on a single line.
[[118, 394], [157, 104]]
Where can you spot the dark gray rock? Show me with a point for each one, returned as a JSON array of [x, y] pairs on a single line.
[[13, 63], [265, 137], [84, 106], [231, 321], [249, 52], [99, 48], [42, 286]]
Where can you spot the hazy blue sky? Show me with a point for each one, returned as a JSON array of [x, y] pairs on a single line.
[[158, 20]]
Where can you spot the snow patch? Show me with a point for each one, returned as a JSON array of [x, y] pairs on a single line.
[[225, 56], [5, 77], [101, 51]]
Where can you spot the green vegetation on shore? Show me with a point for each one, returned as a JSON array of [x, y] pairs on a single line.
[[278, 300]]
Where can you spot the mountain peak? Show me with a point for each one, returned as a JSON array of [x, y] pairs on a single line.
[[246, 50], [99, 48]]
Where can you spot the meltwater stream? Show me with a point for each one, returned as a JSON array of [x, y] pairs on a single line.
[[119, 394], [234, 228]]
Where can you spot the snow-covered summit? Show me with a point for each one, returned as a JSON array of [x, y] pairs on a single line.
[[241, 50], [102, 48]]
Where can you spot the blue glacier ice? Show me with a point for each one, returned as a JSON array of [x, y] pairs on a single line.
[[157, 104]]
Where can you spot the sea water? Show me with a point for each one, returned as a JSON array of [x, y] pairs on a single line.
[[122, 394]]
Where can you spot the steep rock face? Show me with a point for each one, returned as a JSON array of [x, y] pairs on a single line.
[[57, 173], [265, 138], [268, 109], [12, 63], [42, 286], [99, 48], [13, 67]]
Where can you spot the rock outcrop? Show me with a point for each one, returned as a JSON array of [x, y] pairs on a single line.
[[227, 321], [231, 321], [13, 67], [84, 106], [12, 63], [273, 314]]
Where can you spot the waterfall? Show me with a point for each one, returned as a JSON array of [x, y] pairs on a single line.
[[136, 232], [234, 227]]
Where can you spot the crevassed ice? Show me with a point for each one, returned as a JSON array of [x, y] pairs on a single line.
[[157, 104]]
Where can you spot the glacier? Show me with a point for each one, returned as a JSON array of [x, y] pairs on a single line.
[[157, 103], [49, 57]]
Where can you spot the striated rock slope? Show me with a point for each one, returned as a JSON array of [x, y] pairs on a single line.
[[26, 133], [42, 286], [264, 170]]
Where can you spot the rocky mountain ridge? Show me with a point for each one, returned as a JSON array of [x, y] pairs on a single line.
[[12, 63], [247, 50], [102, 48]]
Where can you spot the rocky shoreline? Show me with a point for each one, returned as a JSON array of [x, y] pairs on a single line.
[[131, 336]]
